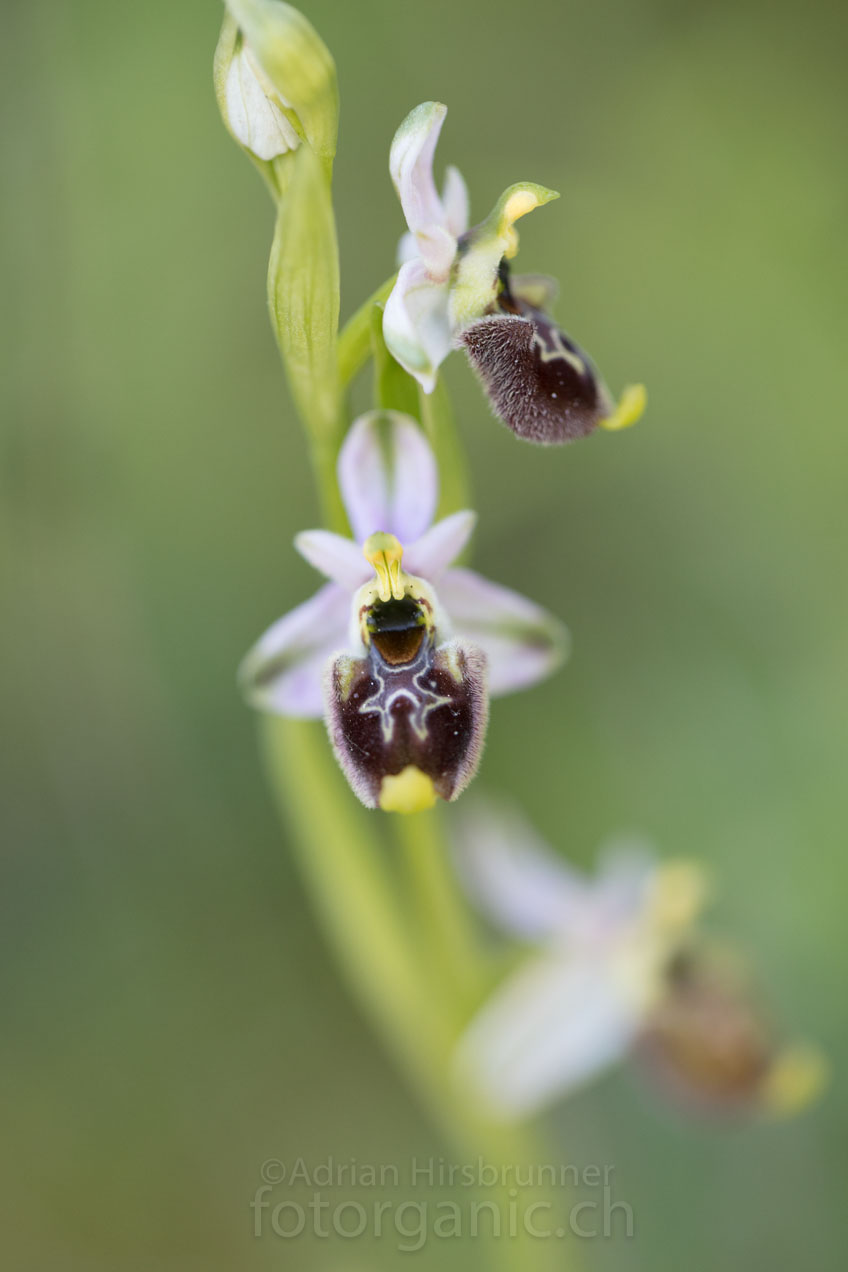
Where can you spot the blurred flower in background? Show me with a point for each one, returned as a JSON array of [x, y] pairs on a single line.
[[618, 966]]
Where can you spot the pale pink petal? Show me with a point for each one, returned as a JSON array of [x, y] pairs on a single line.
[[522, 641], [455, 202], [515, 878], [407, 248], [416, 326], [338, 558], [411, 165], [388, 477], [553, 1025], [283, 672], [437, 249], [439, 546], [627, 870]]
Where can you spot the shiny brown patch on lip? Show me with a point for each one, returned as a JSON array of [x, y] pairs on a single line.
[[397, 629], [399, 647]]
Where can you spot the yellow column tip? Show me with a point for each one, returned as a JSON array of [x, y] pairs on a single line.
[[385, 553]]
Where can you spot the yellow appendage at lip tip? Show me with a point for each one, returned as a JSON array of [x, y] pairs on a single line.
[[630, 408], [409, 791], [795, 1080], [385, 553]]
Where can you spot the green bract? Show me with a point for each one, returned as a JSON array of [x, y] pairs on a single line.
[[303, 293]]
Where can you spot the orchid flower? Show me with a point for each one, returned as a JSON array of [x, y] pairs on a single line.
[[399, 651], [616, 969], [454, 289]]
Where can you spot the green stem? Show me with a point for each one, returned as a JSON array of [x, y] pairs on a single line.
[[324, 454], [437, 420], [520, 1148], [338, 848], [353, 350], [451, 944], [354, 347], [362, 910]]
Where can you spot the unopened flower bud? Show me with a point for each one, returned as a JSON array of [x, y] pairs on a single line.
[[275, 80]]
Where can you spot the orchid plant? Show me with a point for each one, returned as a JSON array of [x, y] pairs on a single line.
[[402, 647]]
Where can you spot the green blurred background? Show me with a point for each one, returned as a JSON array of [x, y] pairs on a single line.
[[172, 1018]]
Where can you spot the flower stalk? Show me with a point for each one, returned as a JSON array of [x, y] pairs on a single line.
[[437, 420], [449, 937]]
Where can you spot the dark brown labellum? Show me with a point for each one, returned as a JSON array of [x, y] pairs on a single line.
[[537, 379], [408, 702]]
